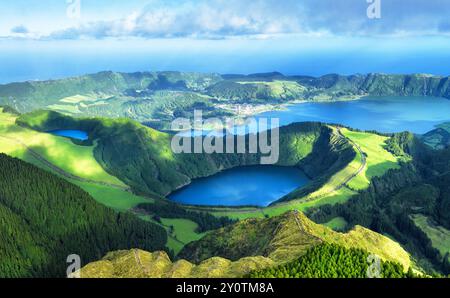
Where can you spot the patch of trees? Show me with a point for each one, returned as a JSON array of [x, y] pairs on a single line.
[[44, 218], [205, 221], [333, 261]]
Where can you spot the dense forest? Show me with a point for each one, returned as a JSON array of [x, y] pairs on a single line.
[[44, 218], [333, 261], [205, 221]]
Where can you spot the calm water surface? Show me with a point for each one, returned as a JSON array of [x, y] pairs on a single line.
[[384, 114], [254, 185], [73, 134]]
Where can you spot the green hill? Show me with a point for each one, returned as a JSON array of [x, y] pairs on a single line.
[[44, 219], [143, 264], [285, 238], [249, 247]]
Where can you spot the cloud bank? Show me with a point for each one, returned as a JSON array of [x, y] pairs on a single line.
[[218, 19]]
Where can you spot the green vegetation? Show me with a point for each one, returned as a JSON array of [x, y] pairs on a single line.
[[379, 161], [337, 224], [393, 185], [285, 238], [45, 219], [150, 167], [295, 250], [439, 236], [59, 151], [342, 163], [142, 264], [64, 158], [420, 187], [182, 230], [117, 199], [321, 151], [205, 221], [332, 261], [438, 138], [343, 184]]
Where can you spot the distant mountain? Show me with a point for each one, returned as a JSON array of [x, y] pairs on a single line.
[[247, 246], [158, 97]]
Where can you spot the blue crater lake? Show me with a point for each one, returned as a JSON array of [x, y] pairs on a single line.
[[73, 134], [253, 185]]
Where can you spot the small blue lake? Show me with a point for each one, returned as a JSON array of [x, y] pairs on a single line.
[[253, 185], [73, 134]]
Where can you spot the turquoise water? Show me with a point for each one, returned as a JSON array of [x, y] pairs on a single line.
[[73, 134], [255, 185], [383, 114]]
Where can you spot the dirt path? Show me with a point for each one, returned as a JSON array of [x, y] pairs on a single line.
[[363, 160], [59, 170]]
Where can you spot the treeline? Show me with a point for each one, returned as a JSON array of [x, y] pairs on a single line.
[[334, 261], [205, 221], [44, 218]]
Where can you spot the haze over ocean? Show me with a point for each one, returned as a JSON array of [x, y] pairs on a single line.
[[41, 60]]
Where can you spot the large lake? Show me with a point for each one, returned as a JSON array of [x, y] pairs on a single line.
[[384, 114], [254, 185]]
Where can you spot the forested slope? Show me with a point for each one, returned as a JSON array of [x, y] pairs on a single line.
[[43, 219]]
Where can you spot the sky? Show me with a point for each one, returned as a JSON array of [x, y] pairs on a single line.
[[53, 38]]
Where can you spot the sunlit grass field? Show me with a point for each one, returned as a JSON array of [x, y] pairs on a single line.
[[182, 234], [337, 223], [439, 236], [60, 151], [379, 160], [117, 199]]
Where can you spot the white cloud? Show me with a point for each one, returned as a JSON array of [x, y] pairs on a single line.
[[215, 19]]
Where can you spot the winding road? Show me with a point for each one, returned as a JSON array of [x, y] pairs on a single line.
[[363, 160]]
